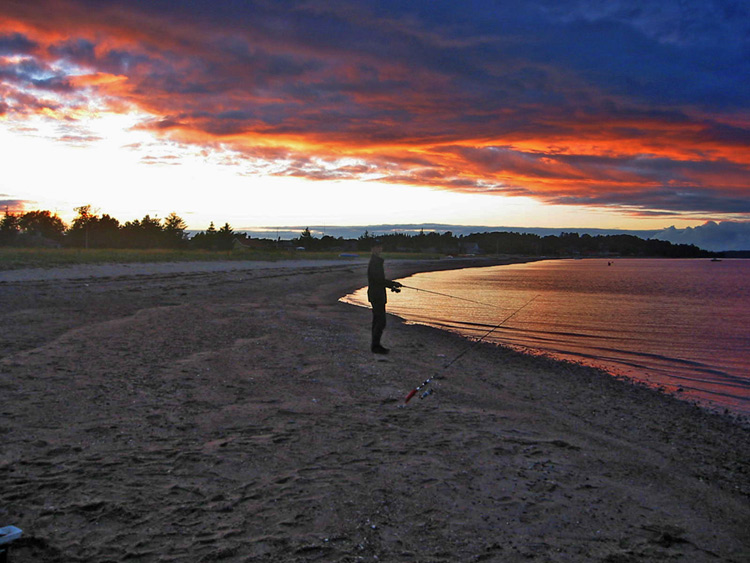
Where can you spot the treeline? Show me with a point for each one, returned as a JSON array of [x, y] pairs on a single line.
[[566, 244], [90, 230]]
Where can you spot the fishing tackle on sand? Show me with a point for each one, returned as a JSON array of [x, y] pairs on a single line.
[[464, 351]]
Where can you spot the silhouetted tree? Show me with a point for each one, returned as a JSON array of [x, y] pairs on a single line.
[[9, 228], [225, 238], [107, 232], [306, 240], [79, 233], [42, 224], [174, 231], [95, 232], [205, 240], [364, 242], [146, 233]]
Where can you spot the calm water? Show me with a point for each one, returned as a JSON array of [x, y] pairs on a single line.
[[679, 324]]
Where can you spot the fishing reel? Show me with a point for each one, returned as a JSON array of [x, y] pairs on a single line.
[[429, 391]]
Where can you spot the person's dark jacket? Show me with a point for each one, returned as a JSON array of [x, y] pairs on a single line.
[[376, 282]]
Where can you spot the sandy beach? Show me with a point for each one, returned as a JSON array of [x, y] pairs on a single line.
[[235, 413]]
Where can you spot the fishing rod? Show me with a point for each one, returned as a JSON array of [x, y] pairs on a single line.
[[446, 295], [464, 351]]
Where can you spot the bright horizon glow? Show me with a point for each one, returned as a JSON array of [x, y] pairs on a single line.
[[128, 173]]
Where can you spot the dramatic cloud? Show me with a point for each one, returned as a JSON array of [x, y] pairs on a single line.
[[726, 235], [635, 104]]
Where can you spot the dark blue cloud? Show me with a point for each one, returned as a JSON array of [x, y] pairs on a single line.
[[35, 74], [670, 200], [670, 52], [80, 51], [16, 43]]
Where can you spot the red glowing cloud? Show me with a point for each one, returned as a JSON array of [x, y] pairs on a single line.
[[327, 90]]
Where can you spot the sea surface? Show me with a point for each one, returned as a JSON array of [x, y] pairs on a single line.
[[679, 325]]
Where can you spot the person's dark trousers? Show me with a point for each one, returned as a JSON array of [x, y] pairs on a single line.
[[378, 322]]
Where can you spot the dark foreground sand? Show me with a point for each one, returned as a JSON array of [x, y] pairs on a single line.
[[239, 416]]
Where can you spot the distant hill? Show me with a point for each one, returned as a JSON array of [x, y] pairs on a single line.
[[716, 237]]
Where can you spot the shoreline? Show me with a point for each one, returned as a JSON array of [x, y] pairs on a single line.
[[734, 416], [240, 415]]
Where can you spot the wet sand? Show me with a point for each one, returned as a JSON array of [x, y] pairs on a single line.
[[238, 415]]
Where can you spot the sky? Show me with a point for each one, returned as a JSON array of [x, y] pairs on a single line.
[[612, 114]]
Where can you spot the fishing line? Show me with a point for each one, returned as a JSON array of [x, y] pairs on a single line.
[[446, 295], [464, 351]]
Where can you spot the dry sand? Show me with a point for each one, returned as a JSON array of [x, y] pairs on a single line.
[[238, 415]]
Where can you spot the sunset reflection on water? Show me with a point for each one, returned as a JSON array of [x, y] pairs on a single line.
[[681, 325]]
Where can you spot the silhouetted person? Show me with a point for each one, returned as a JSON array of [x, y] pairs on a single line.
[[376, 286]]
